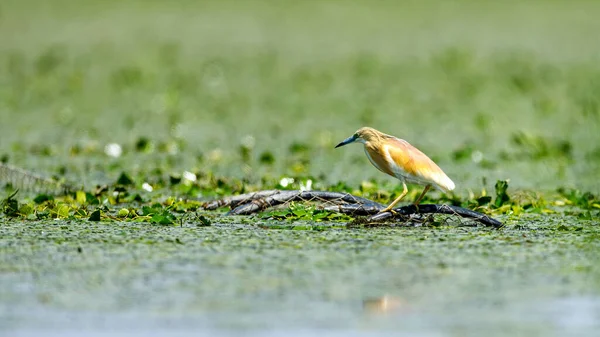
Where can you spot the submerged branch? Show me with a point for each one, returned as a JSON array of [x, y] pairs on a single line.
[[346, 203], [24, 180]]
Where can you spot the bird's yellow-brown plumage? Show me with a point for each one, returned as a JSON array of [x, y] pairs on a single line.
[[399, 159]]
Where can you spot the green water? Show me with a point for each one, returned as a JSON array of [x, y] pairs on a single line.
[[205, 76], [531, 280]]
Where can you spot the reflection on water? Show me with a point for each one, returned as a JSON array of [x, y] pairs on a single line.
[[383, 305]]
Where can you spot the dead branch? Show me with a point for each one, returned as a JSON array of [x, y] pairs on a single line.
[[346, 203], [437, 209]]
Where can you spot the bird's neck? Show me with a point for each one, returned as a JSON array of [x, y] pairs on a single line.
[[371, 146]]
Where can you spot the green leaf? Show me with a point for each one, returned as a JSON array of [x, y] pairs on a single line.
[[26, 210], [81, 197], [10, 206], [204, 221], [481, 201], [175, 179], [80, 213], [267, 158], [95, 216], [163, 218], [501, 195], [63, 211], [42, 198], [90, 199], [320, 215], [143, 145], [279, 214], [137, 198], [299, 212], [146, 210], [124, 179]]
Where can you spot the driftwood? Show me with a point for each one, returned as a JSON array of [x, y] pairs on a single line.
[[346, 203]]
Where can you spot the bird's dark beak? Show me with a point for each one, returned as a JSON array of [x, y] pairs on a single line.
[[347, 141]]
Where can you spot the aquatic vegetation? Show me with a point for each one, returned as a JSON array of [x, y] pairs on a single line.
[[123, 200]]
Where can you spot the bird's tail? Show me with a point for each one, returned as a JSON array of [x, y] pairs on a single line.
[[445, 183]]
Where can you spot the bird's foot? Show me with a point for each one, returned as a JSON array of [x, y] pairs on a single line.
[[391, 210]]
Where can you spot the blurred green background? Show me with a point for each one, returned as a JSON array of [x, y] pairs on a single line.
[[489, 89]]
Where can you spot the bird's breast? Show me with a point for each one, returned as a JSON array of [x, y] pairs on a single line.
[[379, 160]]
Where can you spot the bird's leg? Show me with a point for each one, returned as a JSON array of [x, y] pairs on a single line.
[[402, 195], [422, 195]]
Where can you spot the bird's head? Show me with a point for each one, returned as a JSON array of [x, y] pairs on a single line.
[[363, 135]]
